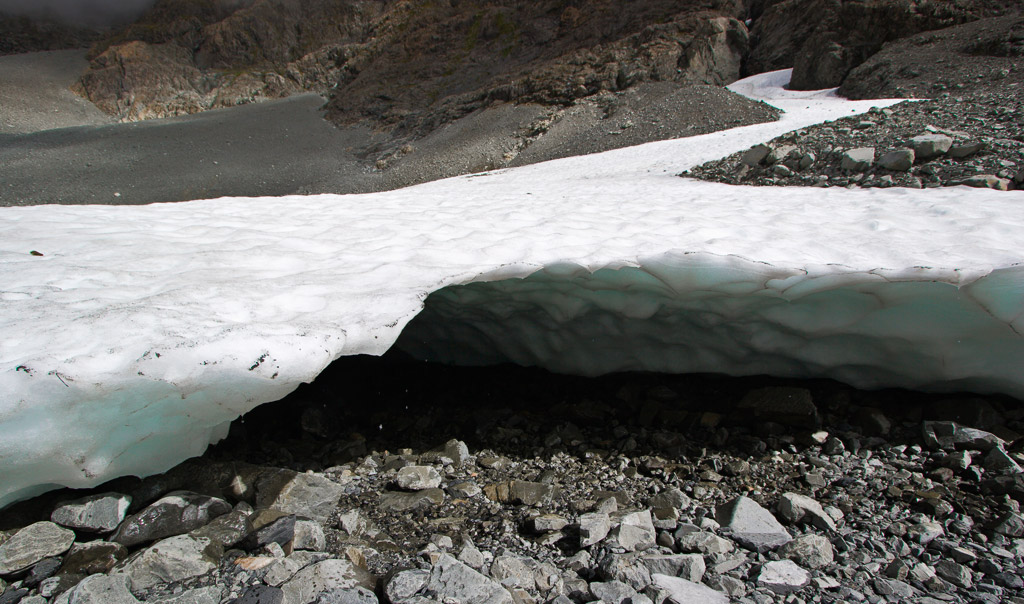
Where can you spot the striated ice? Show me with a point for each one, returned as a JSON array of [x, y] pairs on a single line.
[[140, 332]]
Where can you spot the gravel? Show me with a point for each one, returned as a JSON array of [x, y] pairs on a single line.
[[630, 485]]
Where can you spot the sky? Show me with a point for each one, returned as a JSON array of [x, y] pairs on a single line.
[[81, 12]]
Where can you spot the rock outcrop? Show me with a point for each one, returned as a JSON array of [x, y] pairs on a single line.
[[823, 40], [406, 67]]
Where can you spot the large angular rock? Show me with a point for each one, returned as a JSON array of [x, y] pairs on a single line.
[[810, 551], [173, 559], [927, 146], [307, 495], [617, 592], [948, 435], [593, 528], [99, 513], [404, 585], [797, 508], [635, 531], [33, 543], [751, 525], [899, 160], [703, 542], [102, 589], [452, 579], [858, 160], [353, 595], [783, 577], [681, 591], [174, 514], [417, 478], [226, 530], [93, 557], [312, 581], [398, 501], [201, 595], [688, 566]]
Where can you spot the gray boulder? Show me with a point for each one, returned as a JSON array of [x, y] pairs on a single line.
[[452, 579], [93, 557], [751, 525], [635, 531], [755, 155], [33, 543], [681, 591], [172, 559], [309, 583], [858, 160], [99, 513], [797, 508], [593, 528], [617, 592], [417, 478], [101, 589], [899, 160], [927, 146], [398, 501], [703, 542], [356, 595], [201, 595], [312, 496], [174, 514], [811, 551], [688, 566], [783, 577], [403, 585]]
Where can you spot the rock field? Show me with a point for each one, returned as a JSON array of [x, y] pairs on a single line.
[[973, 139], [422, 483]]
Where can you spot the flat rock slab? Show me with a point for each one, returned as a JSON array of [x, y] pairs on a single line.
[[417, 478], [173, 514], [99, 589], [33, 543], [452, 579], [322, 577], [783, 577], [751, 525], [310, 496], [98, 513], [681, 591], [173, 559]]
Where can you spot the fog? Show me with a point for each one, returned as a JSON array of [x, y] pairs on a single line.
[[79, 12]]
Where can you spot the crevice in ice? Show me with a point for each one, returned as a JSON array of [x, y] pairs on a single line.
[[923, 328]]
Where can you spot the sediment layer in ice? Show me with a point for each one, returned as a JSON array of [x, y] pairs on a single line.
[[140, 332]]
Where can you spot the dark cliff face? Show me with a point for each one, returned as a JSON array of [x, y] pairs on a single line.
[[22, 33], [407, 65], [823, 40], [410, 66]]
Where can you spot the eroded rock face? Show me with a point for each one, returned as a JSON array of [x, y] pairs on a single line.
[[823, 40], [407, 66]]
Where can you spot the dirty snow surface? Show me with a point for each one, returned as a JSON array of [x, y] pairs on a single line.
[[141, 331]]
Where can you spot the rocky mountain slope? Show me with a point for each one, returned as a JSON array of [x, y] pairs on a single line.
[[970, 133], [408, 66]]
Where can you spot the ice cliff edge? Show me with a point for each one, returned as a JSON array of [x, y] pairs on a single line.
[[133, 335]]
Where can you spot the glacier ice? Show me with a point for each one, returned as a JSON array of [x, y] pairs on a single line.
[[141, 331]]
